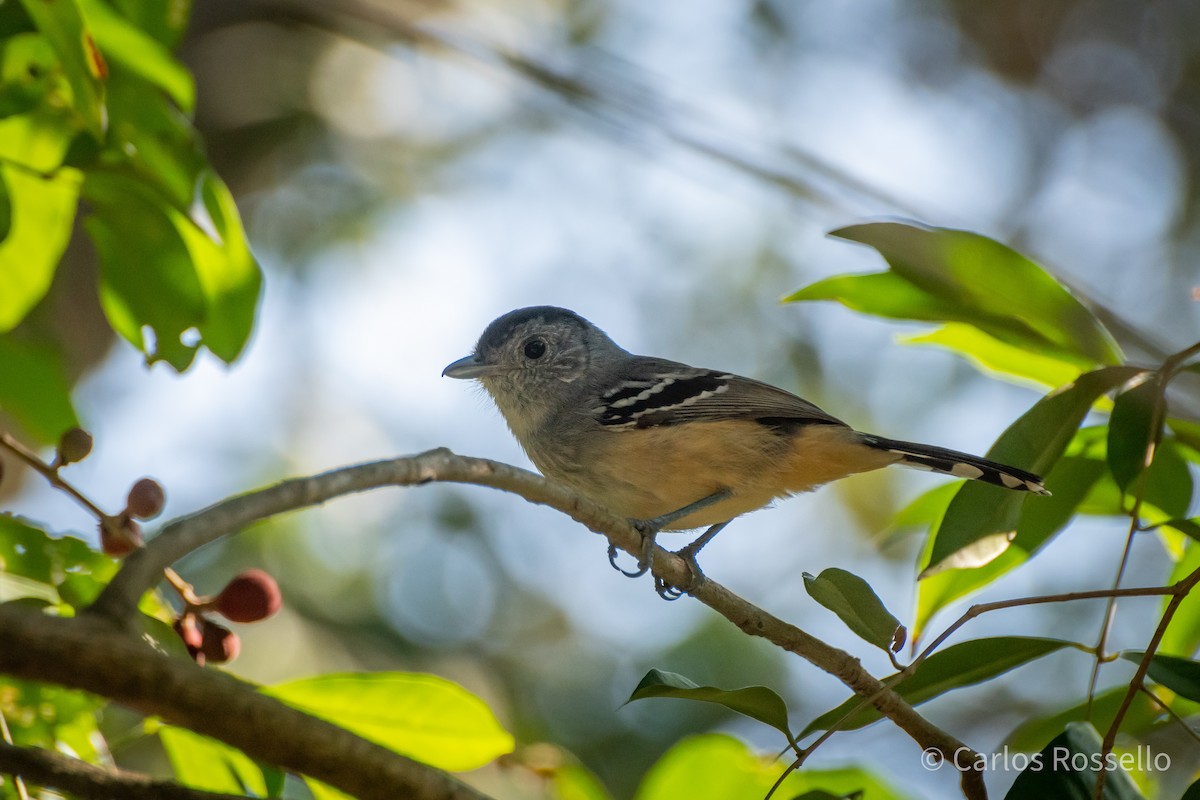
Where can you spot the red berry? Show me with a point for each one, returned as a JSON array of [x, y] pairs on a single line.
[[251, 595], [74, 446], [120, 536], [220, 644], [188, 628], [145, 499]]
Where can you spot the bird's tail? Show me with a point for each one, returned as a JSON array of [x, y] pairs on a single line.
[[962, 465]]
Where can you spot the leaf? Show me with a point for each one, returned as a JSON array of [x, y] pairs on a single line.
[[323, 791], [1169, 484], [41, 209], [424, 717], [884, 294], [1030, 734], [204, 763], [1067, 768], [1034, 442], [63, 25], [28, 73], [719, 767], [963, 664], [992, 287], [126, 45], [40, 402], [756, 702], [154, 143], [29, 552], [51, 717], [1070, 481], [147, 278], [229, 275], [165, 21], [1131, 428], [573, 781], [996, 358], [175, 273], [1180, 675], [1182, 636], [1188, 527], [856, 604]]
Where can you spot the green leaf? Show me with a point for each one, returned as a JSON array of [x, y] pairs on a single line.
[[40, 402], [165, 21], [154, 143], [883, 294], [1169, 484], [51, 717], [963, 664], [996, 358], [229, 275], [1180, 675], [981, 514], [28, 73], [1069, 481], [992, 287], [41, 209], [172, 272], [719, 767], [29, 552], [124, 44], [323, 791], [573, 781], [1188, 527], [1032, 733], [1132, 429], [1067, 768], [424, 717], [63, 25], [1182, 636], [857, 605], [204, 763], [756, 702], [147, 278]]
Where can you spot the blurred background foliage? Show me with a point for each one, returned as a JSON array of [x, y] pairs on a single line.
[[408, 170]]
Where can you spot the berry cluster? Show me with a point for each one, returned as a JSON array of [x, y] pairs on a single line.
[[251, 596]]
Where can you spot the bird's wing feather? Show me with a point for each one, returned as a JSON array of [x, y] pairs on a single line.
[[654, 391]]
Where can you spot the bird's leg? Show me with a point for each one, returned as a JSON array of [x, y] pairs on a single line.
[[668, 592], [651, 527]]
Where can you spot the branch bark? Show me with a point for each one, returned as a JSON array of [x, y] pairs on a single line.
[[90, 654], [46, 768], [141, 569]]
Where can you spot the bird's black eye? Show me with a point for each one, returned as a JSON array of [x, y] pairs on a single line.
[[535, 348]]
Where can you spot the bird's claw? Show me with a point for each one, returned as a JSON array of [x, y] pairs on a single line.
[[670, 592], [645, 557]]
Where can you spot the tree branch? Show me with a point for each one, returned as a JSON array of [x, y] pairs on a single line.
[[180, 537], [50, 769], [90, 654]]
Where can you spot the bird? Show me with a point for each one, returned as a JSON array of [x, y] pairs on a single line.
[[671, 446]]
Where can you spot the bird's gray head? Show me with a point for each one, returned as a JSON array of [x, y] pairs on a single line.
[[530, 358]]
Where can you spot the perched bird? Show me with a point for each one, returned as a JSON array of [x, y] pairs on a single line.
[[671, 446]]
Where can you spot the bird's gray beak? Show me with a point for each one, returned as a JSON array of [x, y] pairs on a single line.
[[469, 367]]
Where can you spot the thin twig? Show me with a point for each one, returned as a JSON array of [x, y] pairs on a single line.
[[48, 768], [50, 473], [1165, 706], [18, 781]]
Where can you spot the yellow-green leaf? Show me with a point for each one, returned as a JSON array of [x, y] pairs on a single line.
[[424, 717]]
